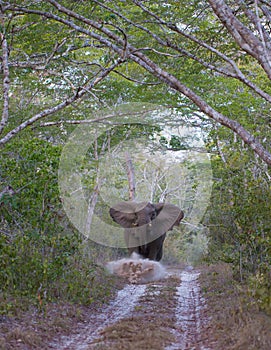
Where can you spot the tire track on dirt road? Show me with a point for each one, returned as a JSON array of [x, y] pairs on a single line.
[[161, 315], [116, 310], [190, 316]]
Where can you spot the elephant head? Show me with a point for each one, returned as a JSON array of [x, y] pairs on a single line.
[[146, 225], [133, 214]]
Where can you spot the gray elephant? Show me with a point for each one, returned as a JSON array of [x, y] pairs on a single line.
[[146, 225]]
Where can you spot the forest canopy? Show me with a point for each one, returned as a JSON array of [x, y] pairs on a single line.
[[215, 54]]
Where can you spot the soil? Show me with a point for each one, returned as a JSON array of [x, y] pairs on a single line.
[[189, 309]]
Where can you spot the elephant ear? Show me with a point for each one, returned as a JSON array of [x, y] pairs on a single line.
[[126, 220], [168, 216], [132, 214]]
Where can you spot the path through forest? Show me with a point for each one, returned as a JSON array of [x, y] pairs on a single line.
[[166, 314]]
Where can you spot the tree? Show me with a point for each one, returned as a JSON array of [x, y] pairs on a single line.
[[213, 44]]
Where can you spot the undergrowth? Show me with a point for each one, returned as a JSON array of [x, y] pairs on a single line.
[[237, 321]]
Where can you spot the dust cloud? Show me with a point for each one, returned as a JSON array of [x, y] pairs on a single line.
[[136, 269]]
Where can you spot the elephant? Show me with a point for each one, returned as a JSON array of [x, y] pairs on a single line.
[[145, 225]]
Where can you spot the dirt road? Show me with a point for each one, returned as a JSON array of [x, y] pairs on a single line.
[[168, 314]]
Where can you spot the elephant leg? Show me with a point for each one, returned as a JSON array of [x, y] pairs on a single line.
[[155, 248], [159, 254], [131, 242], [144, 251]]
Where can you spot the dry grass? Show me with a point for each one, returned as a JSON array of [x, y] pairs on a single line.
[[236, 323], [32, 328], [138, 333]]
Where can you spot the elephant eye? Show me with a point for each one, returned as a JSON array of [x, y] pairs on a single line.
[[153, 215]]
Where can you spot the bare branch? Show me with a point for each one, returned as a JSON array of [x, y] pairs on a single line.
[[79, 94], [234, 73], [256, 21], [244, 37], [55, 49], [134, 80], [265, 37], [96, 120], [267, 12]]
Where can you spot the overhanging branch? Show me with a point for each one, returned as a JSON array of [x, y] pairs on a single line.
[[78, 95]]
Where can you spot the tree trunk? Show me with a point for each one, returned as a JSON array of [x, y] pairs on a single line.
[[131, 176]]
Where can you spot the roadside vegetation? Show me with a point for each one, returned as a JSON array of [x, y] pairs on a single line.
[[237, 321]]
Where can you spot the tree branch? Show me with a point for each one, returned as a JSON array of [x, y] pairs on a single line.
[[78, 95], [236, 73], [97, 120], [121, 48], [134, 80], [245, 38]]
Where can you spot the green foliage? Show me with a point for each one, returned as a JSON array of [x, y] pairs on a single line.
[[29, 167], [30, 261], [260, 289], [83, 282], [238, 215], [41, 257]]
